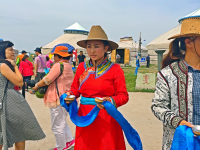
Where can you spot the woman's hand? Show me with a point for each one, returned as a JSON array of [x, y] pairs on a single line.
[[100, 106], [68, 93], [35, 88], [12, 62], [187, 124], [183, 122]]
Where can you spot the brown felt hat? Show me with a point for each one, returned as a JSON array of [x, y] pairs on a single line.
[[97, 33], [189, 27]]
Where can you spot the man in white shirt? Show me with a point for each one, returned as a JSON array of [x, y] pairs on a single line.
[[118, 58], [74, 60]]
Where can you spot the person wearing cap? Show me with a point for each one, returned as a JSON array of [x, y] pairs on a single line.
[[99, 77], [81, 57], [176, 101], [59, 125], [40, 64], [19, 57]]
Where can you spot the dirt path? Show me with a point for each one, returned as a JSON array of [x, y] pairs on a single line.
[[136, 111]]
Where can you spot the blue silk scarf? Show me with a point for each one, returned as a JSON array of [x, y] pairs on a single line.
[[131, 134], [184, 139]]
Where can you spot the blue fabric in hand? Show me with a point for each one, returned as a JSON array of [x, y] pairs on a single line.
[[131, 134], [184, 139], [80, 121]]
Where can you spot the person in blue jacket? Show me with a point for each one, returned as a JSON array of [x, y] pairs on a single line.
[[137, 63]]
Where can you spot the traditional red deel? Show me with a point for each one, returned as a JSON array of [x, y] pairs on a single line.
[[108, 80]]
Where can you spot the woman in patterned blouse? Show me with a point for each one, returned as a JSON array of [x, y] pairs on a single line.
[[176, 101]]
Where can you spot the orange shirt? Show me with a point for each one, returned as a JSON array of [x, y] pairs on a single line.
[[20, 57]]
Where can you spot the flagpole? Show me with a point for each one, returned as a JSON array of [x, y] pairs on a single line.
[[139, 47]]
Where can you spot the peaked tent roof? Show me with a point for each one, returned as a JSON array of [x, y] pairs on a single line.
[[162, 41], [76, 27], [67, 38], [196, 13]]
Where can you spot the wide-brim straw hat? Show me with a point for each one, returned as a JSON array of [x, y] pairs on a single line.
[[97, 33], [62, 51], [189, 27]]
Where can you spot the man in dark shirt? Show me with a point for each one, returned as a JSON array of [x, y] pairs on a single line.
[[148, 60], [81, 57]]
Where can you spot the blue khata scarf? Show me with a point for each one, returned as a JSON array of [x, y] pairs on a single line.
[[131, 134], [184, 139]]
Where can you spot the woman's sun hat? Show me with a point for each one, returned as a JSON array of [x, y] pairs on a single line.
[[62, 51], [189, 27], [97, 33]]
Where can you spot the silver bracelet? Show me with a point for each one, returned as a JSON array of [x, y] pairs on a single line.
[[37, 86]]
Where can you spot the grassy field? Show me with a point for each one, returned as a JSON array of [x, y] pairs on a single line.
[[131, 79]]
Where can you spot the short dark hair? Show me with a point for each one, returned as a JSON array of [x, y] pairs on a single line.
[[47, 58], [24, 58], [3, 46], [23, 52], [38, 50], [66, 58], [81, 51]]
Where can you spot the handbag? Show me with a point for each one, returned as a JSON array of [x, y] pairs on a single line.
[[46, 70], [42, 90]]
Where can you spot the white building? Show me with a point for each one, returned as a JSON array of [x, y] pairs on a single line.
[[127, 50]]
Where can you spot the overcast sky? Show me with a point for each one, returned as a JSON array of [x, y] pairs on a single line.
[[33, 23]]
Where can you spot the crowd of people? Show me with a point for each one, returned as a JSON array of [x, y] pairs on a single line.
[[176, 100]]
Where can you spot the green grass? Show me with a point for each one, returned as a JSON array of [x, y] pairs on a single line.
[[129, 72], [131, 79], [30, 59]]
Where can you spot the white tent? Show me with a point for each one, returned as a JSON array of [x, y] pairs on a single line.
[[71, 35], [162, 42]]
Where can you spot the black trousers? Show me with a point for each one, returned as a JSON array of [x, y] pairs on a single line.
[[74, 63], [40, 76], [148, 63], [23, 87]]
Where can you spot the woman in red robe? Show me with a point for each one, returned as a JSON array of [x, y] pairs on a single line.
[[99, 77]]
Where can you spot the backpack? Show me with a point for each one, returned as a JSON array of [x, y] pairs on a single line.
[[42, 90]]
